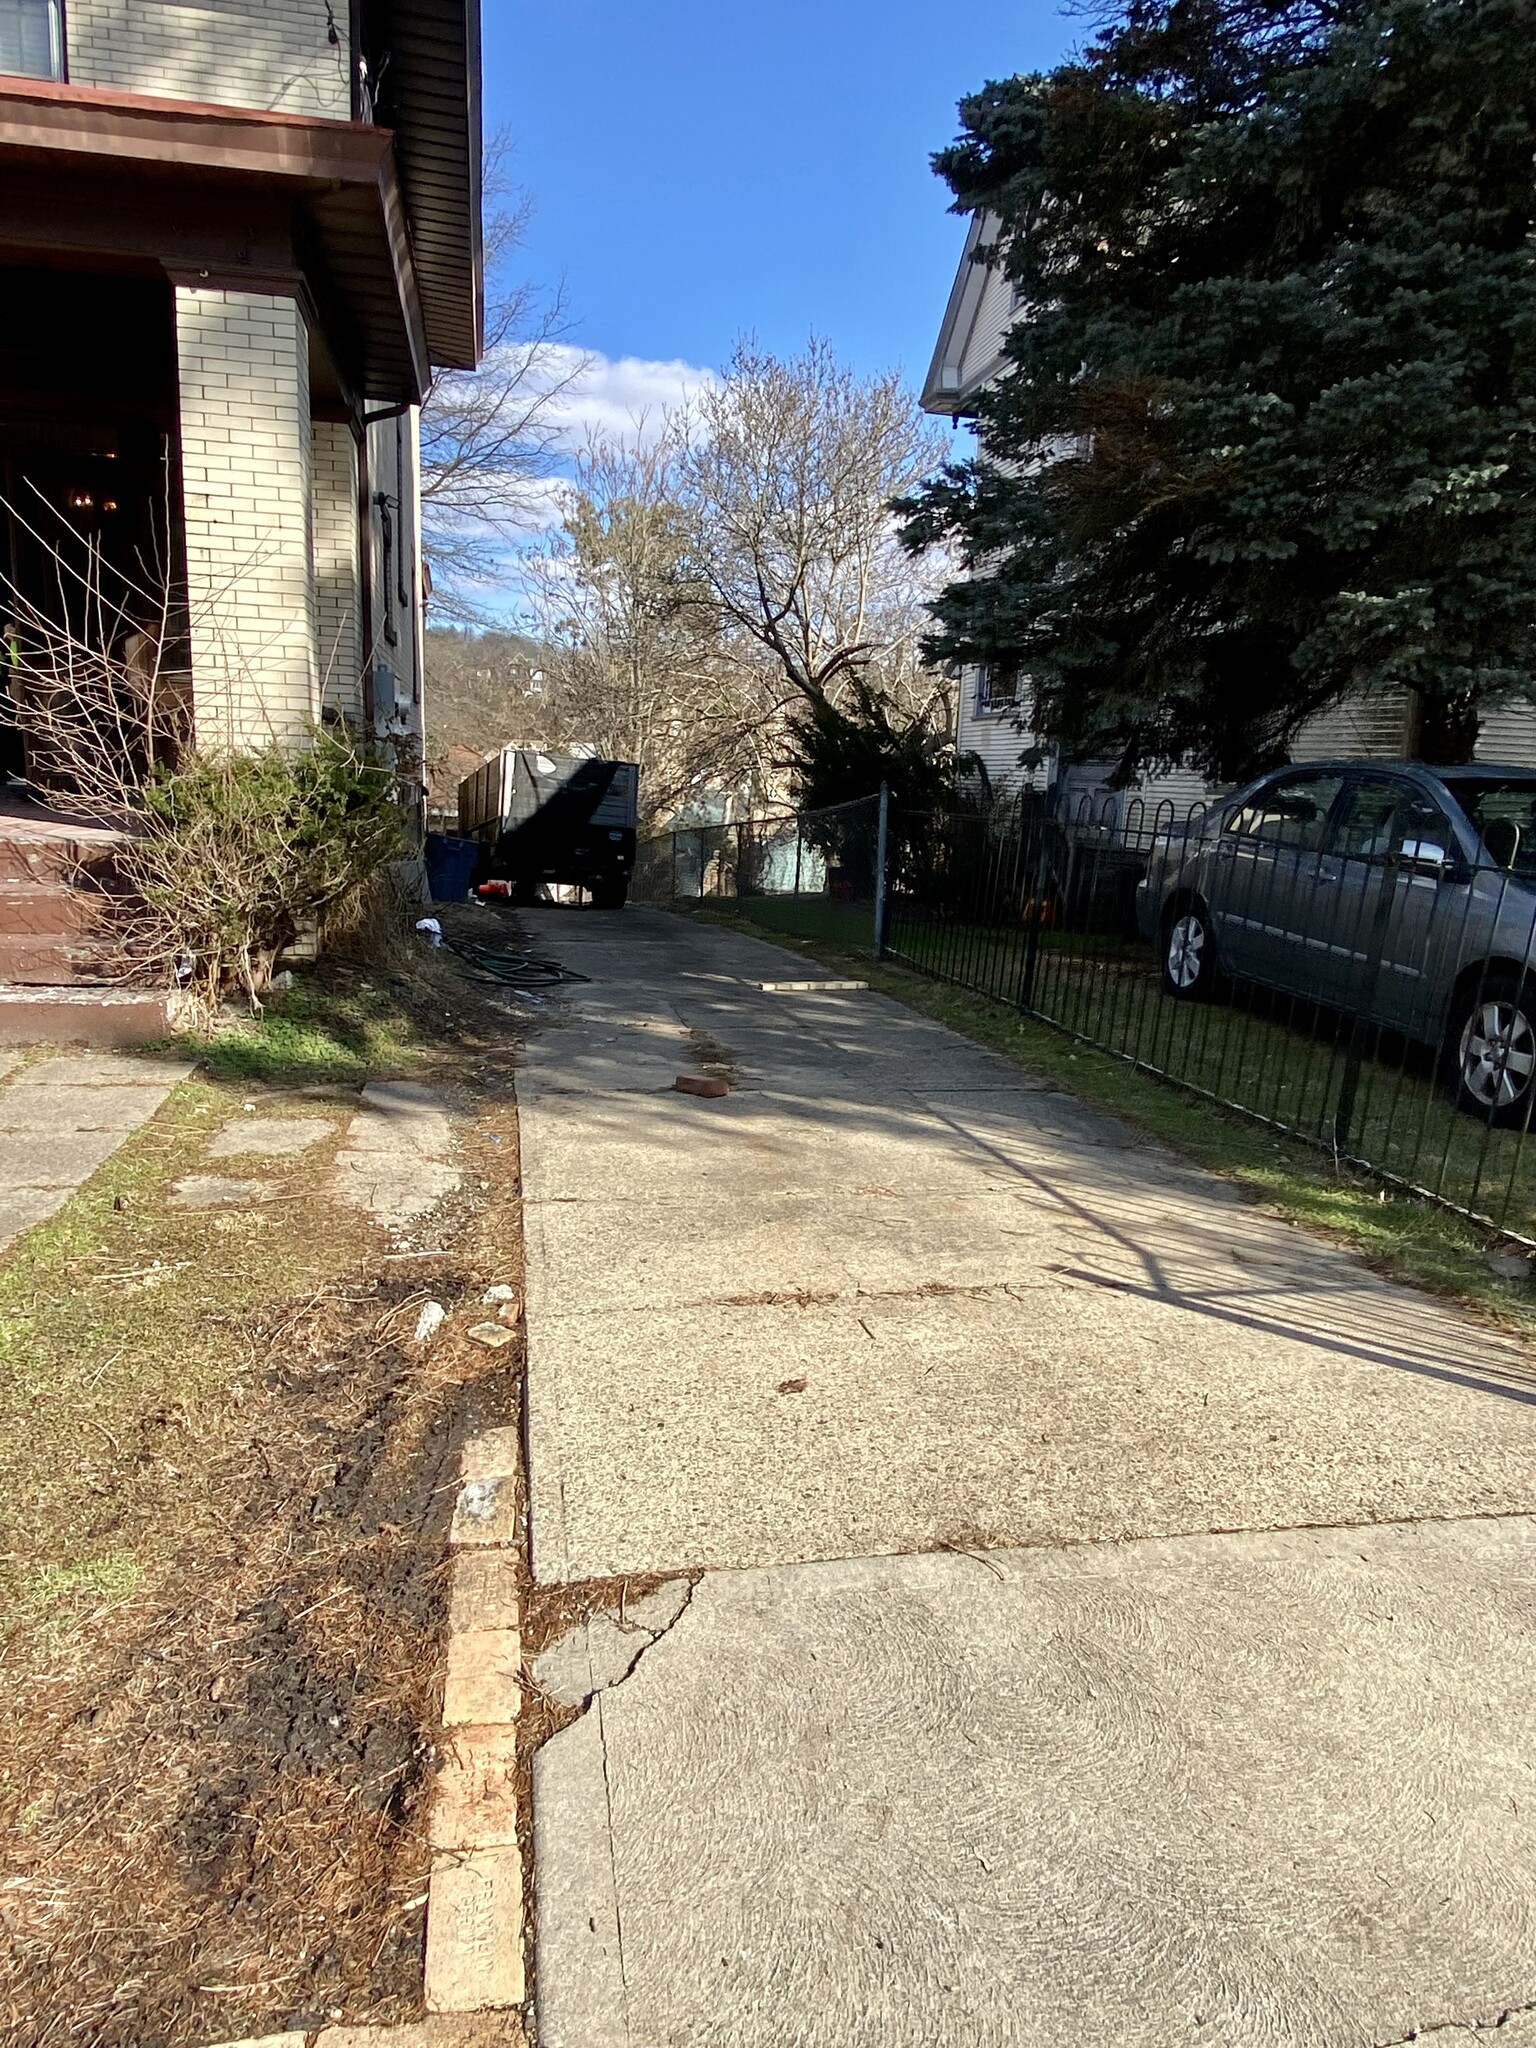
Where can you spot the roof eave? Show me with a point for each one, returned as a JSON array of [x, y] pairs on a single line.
[[430, 99]]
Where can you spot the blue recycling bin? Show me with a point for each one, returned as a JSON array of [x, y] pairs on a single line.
[[450, 865]]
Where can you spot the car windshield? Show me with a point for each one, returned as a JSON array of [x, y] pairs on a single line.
[[1504, 812]]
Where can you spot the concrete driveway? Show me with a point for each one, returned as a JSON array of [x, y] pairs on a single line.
[[1116, 1620]]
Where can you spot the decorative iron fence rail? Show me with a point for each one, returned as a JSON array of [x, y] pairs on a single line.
[[1338, 967]]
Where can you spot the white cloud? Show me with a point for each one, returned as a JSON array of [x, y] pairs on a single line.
[[617, 396], [593, 396]]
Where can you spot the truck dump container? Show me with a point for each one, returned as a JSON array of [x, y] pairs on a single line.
[[553, 818]]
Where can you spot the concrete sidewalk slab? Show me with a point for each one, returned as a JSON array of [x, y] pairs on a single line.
[[1054, 1414], [1249, 1791], [269, 1137], [584, 1260], [62, 1118], [1041, 1327], [669, 1148], [1036, 1754], [398, 1160]]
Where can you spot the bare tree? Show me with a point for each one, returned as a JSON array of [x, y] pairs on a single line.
[[788, 476], [635, 660], [490, 438]]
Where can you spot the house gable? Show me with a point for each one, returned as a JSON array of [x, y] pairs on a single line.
[[976, 322]]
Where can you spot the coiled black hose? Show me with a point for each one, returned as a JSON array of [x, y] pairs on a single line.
[[512, 967]]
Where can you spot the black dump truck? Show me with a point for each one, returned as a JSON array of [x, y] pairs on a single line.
[[553, 818]]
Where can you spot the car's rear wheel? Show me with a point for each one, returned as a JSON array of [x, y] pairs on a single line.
[[1189, 953], [609, 895], [1493, 1046]]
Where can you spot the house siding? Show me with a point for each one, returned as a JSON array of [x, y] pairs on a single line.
[[1371, 728], [1507, 736], [272, 55], [243, 368], [338, 623], [996, 738]]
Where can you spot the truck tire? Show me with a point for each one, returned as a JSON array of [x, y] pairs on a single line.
[[610, 895]]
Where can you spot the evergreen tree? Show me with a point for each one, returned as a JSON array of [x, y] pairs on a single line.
[[1265, 433]]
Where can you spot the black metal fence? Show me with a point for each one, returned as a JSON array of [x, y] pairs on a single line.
[[1342, 963], [1345, 964]]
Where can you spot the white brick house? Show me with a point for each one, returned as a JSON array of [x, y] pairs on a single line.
[[993, 722], [236, 238]]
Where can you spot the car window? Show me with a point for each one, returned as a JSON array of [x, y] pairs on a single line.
[[1504, 813], [1381, 815], [1290, 812]]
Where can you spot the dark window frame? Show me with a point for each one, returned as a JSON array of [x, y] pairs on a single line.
[[991, 681], [58, 43]]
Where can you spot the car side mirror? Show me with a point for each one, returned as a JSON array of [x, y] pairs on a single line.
[[1425, 857]]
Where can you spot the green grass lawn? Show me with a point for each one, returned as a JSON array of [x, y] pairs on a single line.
[[813, 917], [1271, 1056]]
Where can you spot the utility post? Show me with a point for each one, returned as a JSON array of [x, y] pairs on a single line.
[[881, 843]]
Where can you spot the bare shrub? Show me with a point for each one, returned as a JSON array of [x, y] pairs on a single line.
[[236, 853]]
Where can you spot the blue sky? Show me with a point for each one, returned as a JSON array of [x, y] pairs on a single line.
[[698, 171]]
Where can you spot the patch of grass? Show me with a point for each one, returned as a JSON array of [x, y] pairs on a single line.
[[1411, 1239], [317, 1031], [817, 918], [53, 1599], [123, 1347], [1277, 1056]]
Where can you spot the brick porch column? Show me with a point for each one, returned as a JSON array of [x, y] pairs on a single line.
[[243, 362], [338, 613]]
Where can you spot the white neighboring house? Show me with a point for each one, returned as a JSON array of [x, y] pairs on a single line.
[[993, 720]]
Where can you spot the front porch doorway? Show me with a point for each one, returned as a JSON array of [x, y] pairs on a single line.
[[89, 487]]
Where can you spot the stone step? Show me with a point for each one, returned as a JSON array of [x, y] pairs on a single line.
[[88, 1016], [51, 959], [30, 909]]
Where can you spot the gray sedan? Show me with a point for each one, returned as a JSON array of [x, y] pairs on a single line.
[[1404, 895]]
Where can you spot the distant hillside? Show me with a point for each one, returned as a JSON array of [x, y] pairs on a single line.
[[484, 691]]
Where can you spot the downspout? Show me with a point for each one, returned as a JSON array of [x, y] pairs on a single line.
[[359, 426]]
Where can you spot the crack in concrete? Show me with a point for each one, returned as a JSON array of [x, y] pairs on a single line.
[[824, 1297], [648, 1636], [1509, 2013], [652, 1637], [613, 1853]]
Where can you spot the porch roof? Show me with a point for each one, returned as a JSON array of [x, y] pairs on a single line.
[[185, 181]]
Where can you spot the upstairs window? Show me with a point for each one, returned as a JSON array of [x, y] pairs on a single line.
[[31, 39], [997, 688]]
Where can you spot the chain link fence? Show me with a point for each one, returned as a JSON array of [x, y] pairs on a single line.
[[809, 874]]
